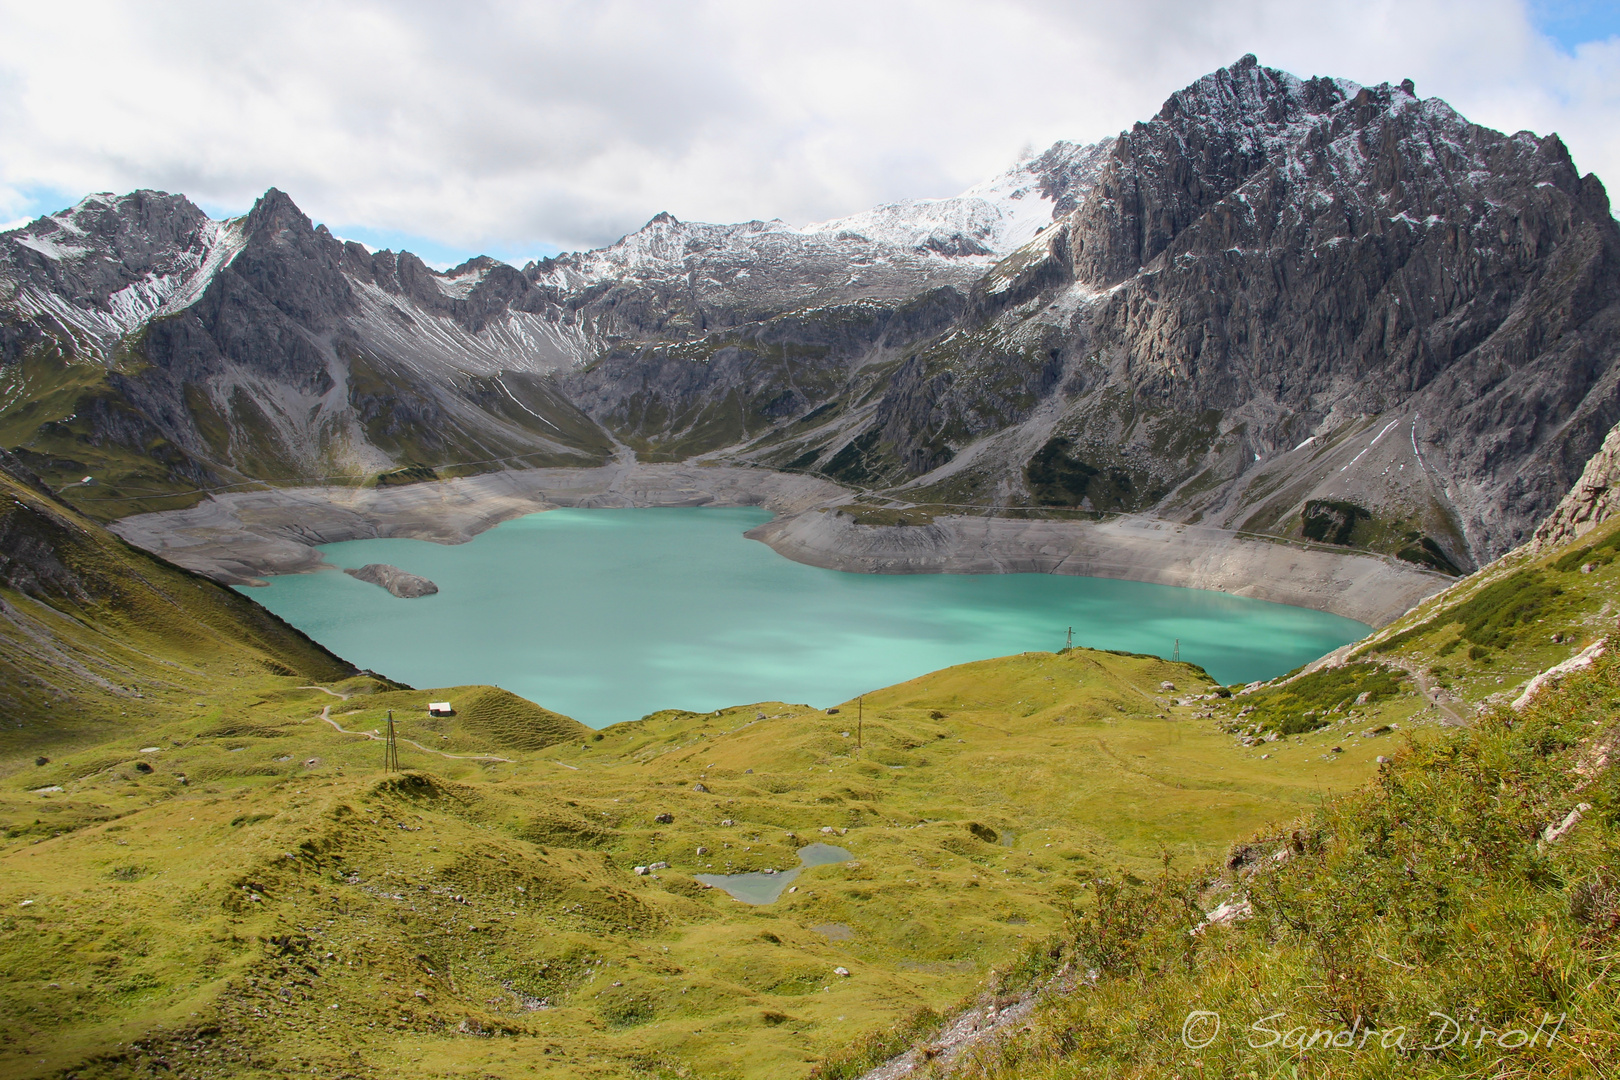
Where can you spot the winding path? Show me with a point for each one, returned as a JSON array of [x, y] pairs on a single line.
[[326, 714], [1432, 693]]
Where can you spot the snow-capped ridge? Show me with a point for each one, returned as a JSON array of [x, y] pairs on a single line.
[[989, 219]]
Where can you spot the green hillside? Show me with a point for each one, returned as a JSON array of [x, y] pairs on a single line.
[[1433, 922], [482, 916], [97, 636], [205, 870]]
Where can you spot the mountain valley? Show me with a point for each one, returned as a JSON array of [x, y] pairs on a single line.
[[1297, 339], [1250, 312]]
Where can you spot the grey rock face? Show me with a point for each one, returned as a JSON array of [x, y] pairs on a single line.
[[403, 585], [265, 347], [1260, 271], [102, 267], [1592, 501], [1278, 298]]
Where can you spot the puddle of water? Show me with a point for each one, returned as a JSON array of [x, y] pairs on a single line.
[[762, 888], [819, 854]]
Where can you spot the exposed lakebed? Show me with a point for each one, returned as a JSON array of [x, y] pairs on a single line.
[[607, 615]]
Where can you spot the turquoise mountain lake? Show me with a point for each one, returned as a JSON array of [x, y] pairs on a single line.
[[607, 615]]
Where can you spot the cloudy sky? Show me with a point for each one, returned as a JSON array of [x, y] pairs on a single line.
[[521, 128]]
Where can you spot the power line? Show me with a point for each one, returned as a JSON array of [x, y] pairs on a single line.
[[391, 747]]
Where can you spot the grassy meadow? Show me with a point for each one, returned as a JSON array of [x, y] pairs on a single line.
[[205, 869], [238, 886]]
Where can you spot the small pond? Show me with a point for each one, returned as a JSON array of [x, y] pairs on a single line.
[[761, 887]]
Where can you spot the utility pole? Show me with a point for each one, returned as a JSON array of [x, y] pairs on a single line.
[[1177, 655], [390, 747], [1068, 642]]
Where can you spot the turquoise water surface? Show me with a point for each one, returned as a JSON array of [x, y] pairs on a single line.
[[607, 615]]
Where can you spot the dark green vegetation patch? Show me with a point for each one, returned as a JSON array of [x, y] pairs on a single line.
[[1493, 617], [1589, 555], [1425, 552], [410, 474], [1058, 478], [1316, 700], [1328, 521]]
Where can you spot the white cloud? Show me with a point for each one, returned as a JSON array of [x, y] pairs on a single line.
[[520, 124]]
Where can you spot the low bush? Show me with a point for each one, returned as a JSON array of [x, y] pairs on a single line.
[[1311, 701]]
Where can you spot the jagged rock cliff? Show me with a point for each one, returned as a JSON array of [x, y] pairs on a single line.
[[1591, 502], [1279, 294], [1298, 307]]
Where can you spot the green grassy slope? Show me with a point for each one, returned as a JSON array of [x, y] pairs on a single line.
[[96, 636], [66, 420], [1427, 904], [205, 871], [1422, 927], [478, 916]]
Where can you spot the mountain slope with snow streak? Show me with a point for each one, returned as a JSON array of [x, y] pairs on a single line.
[[1301, 307], [1263, 279]]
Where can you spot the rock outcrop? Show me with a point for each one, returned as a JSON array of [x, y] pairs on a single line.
[[403, 585], [1589, 503]]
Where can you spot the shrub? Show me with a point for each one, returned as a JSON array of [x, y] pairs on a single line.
[[1284, 709]]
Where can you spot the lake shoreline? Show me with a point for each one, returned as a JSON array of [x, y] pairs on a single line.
[[608, 615], [238, 538]]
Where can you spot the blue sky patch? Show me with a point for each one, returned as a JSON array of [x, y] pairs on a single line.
[[1572, 23]]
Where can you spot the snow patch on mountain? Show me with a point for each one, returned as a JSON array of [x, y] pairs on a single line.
[[987, 220], [898, 245], [50, 248], [223, 242]]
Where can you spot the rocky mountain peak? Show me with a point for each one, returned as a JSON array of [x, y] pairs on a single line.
[[275, 212], [132, 230], [1176, 320], [1206, 140], [102, 266], [1248, 95]]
